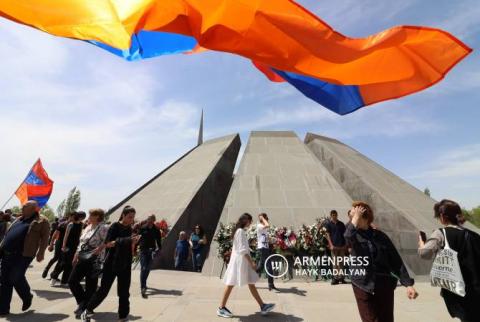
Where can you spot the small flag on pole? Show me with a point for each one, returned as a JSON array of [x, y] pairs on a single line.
[[36, 186]]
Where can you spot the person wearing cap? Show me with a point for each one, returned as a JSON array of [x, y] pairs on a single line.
[[25, 239]]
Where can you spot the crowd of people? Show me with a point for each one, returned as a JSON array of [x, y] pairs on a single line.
[[86, 248]]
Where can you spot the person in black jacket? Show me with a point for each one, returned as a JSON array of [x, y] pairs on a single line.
[[376, 267], [120, 244], [150, 242], [467, 245]]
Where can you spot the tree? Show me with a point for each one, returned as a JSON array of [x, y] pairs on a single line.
[[427, 191], [473, 215], [48, 212], [70, 204]]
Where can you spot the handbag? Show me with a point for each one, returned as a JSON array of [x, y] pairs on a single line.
[[446, 271], [86, 252]]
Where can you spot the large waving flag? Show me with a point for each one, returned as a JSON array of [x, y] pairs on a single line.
[[288, 42], [36, 186]]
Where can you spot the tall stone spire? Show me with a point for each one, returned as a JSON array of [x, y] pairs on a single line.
[[200, 131]]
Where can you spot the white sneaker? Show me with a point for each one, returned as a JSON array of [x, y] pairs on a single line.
[[224, 312], [266, 308], [54, 282]]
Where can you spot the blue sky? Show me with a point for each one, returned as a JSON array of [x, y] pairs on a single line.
[[106, 125]]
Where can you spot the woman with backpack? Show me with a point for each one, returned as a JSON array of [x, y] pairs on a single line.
[[467, 245], [87, 259]]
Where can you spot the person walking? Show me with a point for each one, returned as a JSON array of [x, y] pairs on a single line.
[[467, 245], [337, 245], [263, 249], [182, 252], [87, 259], [118, 265], [241, 269], [150, 242], [26, 239], [374, 278], [55, 245], [4, 224], [73, 231], [198, 239]]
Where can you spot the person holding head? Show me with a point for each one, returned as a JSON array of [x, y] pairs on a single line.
[[26, 238], [241, 269], [86, 260], [119, 244], [150, 242], [467, 245], [263, 249], [376, 268], [337, 245], [198, 239]]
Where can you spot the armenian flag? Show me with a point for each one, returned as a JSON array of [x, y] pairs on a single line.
[[289, 43], [36, 186]]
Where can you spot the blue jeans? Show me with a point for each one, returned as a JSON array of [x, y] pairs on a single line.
[[180, 263], [145, 264], [197, 259], [12, 275]]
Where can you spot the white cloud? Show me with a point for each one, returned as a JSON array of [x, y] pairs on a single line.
[[96, 123]]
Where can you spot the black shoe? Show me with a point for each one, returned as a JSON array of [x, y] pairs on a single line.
[[78, 312], [334, 282], [342, 281], [144, 293], [44, 274], [272, 287], [3, 314], [26, 304]]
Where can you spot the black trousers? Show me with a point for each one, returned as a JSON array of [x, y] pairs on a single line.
[[123, 289], [83, 269], [12, 276], [55, 258], [263, 255], [64, 265]]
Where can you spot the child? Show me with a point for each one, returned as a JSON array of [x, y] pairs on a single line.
[[182, 251], [241, 269]]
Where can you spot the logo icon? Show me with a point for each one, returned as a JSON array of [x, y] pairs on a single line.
[[276, 265]]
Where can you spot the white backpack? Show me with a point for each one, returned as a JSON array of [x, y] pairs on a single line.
[[446, 271]]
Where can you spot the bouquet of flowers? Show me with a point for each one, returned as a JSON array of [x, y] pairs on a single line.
[[224, 240], [312, 239], [285, 240], [162, 225]]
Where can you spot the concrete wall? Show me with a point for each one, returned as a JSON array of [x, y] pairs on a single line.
[[191, 191], [279, 175], [401, 210]]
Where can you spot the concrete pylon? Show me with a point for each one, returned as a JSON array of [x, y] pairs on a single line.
[[280, 176], [191, 191], [401, 210]]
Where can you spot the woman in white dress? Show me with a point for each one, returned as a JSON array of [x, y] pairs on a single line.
[[241, 269]]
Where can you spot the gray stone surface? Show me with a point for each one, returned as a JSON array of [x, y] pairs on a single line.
[[191, 191], [401, 210], [192, 297], [279, 175]]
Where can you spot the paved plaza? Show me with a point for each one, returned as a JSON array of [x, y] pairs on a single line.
[[185, 296]]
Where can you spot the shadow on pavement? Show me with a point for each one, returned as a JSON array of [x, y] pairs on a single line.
[[37, 317], [156, 291], [111, 316], [52, 295], [272, 316], [290, 290]]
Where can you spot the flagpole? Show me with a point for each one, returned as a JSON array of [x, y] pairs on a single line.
[[13, 194]]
